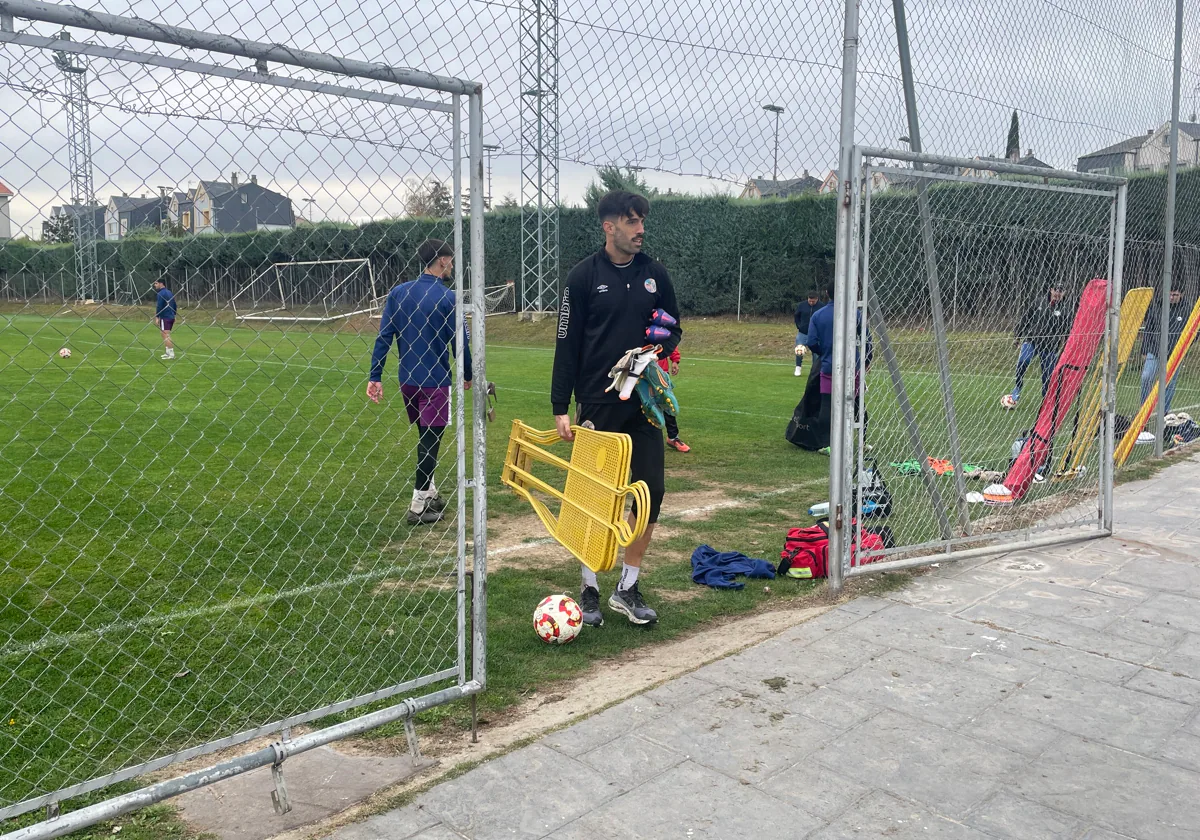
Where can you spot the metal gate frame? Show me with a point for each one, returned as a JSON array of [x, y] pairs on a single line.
[[471, 618], [846, 445]]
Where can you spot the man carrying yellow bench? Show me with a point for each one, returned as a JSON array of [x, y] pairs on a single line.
[[608, 308]]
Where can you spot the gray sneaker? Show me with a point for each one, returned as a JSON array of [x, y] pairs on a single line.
[[589, 603], [630, 604], [426, 517], [437, 504]]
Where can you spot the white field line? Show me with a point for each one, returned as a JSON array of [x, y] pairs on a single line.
[[65, 639]]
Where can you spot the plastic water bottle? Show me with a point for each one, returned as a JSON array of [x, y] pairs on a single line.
[[819, 510]]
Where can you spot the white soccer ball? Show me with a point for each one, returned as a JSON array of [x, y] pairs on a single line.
[[64, 353], [557, 619], [1008, 402]]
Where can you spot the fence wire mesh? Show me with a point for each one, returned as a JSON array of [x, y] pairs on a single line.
[[937, 450], [207, 534], [669, 99]]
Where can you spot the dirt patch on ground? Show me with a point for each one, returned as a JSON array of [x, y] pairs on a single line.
[[698, 504], [675, 596], [428, 584]]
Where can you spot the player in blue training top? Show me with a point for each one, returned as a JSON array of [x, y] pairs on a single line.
[[164, 315], [419, 316]]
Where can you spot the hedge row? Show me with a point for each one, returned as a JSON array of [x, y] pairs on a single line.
[[993, 243]]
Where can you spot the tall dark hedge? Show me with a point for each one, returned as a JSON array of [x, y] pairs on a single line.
[[996, 245]]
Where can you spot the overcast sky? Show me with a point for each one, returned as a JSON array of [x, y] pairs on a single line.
[[676, 87]]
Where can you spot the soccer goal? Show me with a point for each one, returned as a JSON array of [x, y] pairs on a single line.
[[497, 300], [316, 291]]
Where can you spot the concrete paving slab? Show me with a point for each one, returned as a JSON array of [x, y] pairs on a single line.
[[1183, 750], [1114, 789], [882, 815], [1161, 574], [940, 594], [320, 783], [815, 789], [525, 794], [1019, 734], [1167, 610], [1060, 603], [944, 770], [745, 739], [1011, 817], [1121, 717], [399, 824], [1182, 658], [931, 691], [630, 760], [691, 801], [1164, 684]]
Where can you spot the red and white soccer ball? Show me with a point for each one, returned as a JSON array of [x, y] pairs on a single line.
[[1008, 402], [557, 619], [64, 353]]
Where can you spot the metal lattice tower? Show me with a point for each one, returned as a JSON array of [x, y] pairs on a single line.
[[539, 155], [79, 154]]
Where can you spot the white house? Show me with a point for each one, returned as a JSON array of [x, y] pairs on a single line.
[[1149, 152]]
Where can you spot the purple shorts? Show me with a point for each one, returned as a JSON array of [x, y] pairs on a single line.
[[426, 406], [165, 324]]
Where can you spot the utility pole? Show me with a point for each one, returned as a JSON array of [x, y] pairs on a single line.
[[79, 158], [488, 148], [776, 110]]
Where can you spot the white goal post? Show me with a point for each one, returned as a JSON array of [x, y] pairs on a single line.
[[313, 291]]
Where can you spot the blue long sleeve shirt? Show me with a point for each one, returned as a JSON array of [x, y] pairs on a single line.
[[820, 337], [165, 305], [419, 317]]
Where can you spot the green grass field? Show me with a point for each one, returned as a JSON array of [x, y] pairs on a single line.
[[196, 548]]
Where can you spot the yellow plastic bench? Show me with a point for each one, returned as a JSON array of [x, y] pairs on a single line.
[[591, 518]]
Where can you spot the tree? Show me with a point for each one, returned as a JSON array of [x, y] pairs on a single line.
[[509, 202], [615, 178], [431, 199], [1013, 150], [58, 229]]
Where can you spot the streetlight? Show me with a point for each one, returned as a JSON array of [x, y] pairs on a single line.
[[776, 110], [489, 148], [310, 202]]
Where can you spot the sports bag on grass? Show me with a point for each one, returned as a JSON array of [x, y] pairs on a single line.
[[805, 552]]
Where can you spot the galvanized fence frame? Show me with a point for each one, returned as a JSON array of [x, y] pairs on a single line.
[[849, 444], [469, 670]]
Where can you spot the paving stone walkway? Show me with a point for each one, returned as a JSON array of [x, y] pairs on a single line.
[[1040, 694]]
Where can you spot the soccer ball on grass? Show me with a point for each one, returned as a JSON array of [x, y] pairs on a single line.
[[64, 353], [557, 619], [1008, 402]]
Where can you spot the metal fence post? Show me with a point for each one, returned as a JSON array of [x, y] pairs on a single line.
[[1164, 326], [843, 270], [479, 376], [1108, 442]]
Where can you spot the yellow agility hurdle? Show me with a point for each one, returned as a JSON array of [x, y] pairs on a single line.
[[591, 518]]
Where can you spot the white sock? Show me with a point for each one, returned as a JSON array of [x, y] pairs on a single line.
[[629, 576], [418, 502], [589, 577]]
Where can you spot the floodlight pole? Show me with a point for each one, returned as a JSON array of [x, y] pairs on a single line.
[[1164, 324], [776, 110]]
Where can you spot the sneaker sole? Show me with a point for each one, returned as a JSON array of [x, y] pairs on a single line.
[[599, 623], [416, 520], [614, 604]]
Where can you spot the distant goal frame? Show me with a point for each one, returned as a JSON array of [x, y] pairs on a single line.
[[279, 314]]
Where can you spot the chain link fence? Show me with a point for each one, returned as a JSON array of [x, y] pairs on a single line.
[[980, 432], [207, 528], [250, 471]]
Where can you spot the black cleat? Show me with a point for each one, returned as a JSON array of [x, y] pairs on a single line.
[[589, 604]]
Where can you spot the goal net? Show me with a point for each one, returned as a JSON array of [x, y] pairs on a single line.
[[309, 291], [497, 300]]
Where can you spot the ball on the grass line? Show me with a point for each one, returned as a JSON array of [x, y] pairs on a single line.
[[1007, 401], [64, 353], [557, 619]]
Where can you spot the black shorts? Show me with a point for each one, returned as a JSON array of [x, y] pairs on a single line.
[[648, 458]]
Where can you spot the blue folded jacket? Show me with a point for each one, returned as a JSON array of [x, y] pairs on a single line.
[[719, 568]]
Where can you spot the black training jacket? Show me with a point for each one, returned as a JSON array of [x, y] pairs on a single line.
[[604, 313]]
